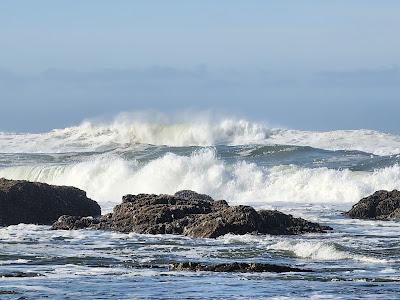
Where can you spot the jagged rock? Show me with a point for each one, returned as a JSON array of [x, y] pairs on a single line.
[[74, 222], [191, 195], [233, 267], [40, 203], [190, 214], [382, 205]]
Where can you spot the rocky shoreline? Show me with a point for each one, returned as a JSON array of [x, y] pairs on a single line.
[[184, 213]]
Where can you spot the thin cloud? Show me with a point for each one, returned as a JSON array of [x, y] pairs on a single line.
[[382, 77]]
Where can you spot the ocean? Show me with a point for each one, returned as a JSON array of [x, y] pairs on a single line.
[[310, 174]]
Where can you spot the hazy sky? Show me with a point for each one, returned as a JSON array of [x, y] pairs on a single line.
[[302, 64]]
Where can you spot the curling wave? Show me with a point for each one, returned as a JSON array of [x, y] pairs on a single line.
[[126, 132]]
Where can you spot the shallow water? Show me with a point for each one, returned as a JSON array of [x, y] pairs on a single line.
[[312, 175], [360, 258]]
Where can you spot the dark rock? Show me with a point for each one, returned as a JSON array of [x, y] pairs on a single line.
[[73, 222], [382, 205], [275, 222], [191, 195], [40, 203], [6, 292], [236, 219], [190, 214], [233, 267], [19, 274]]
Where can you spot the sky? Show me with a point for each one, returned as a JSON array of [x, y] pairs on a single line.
[[315, 65]]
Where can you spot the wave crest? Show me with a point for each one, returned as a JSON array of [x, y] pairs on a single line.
[[90, 136], [199, 131], [321, 251]]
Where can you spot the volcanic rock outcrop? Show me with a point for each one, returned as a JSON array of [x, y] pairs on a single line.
[[191, 214], [382, 205], [39, 203], [233, 267]]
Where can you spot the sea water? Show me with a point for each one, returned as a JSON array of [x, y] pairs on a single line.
[[314, 175]]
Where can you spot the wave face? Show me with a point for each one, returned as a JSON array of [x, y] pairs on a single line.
[[106, 177], [128, 132]]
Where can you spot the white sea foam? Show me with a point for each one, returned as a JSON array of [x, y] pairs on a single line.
[[122, 132], [369, 141], [312, 249], [318, 250], [199, 131], [14, 261], [107, 177]]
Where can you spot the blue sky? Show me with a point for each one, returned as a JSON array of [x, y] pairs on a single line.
[[302, 64]]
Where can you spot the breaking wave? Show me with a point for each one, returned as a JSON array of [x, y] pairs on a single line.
[[91, 136], [317, 250], [126, 132], [107, 177]]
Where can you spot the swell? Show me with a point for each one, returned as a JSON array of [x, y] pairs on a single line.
[[107, 177]]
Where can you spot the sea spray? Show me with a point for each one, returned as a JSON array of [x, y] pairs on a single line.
[[128, 132]]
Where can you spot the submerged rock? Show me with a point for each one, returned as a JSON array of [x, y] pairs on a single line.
[[39, 203], [18, 274], [8, 292], [382, 205], [233, 267], [190, 214]]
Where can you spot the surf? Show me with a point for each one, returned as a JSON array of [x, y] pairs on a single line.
[[106, 177], [129, 131]]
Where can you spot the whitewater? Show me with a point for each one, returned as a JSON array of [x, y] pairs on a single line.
[[312, 174], [127, 131]]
